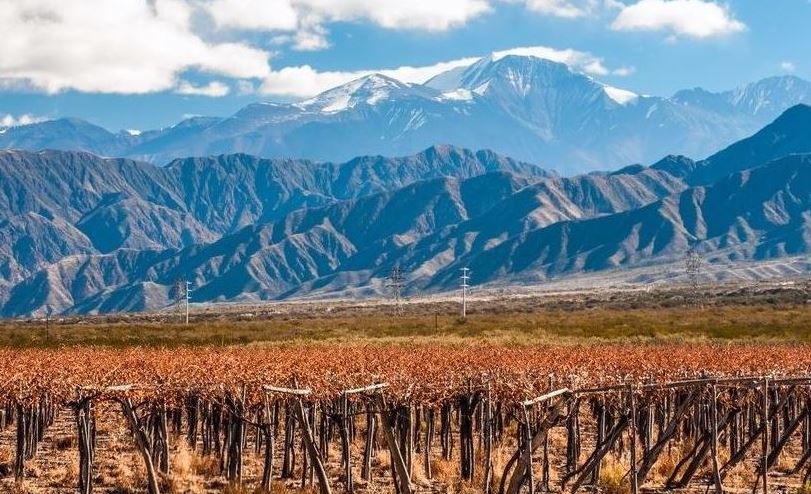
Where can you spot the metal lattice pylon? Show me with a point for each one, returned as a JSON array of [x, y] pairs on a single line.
[[395, 284]]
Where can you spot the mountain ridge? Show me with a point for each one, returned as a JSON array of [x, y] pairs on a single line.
[[528, 108], [88, 234]]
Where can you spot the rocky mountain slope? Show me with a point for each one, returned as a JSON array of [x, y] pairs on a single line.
[[525, 107], [57, 205], [86, 234]]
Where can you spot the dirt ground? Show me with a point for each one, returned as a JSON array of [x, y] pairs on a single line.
[[119, 469]]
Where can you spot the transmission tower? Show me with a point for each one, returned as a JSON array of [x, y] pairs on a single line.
[[177, 292], [692, 266], [464, 285], [395, 284]]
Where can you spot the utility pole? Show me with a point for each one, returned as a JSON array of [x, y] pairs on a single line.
[[464, 286], [395, 283], [188, 298]]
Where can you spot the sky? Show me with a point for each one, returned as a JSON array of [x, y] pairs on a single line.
[[144, 64]]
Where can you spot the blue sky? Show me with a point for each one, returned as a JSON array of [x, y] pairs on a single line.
[[142, 64]]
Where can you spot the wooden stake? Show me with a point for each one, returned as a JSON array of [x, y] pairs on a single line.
[[716, 474], [764, 467], [402, 478], [634, 481]]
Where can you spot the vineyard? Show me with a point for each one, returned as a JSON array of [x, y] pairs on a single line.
[[397, 418]]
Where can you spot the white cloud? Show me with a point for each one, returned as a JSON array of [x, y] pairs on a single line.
[[305, 81], [430, 15], [579, 60], [559, 8], [9, 120], [624, 71], [143, 46], [691, 18], [213, 89], [263, 15], [245, 87], [304, 21], [788, 66], [122, 46]]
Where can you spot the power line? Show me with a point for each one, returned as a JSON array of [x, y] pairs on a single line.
[[464, 286]]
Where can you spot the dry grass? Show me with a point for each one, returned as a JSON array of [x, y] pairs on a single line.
[[64, 474], [6, 460], [613, 316], [613, 479], [64, 443]]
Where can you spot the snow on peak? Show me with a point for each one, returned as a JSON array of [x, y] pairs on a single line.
[[620, 96], [370, 89], [133, 132], [457, 95]]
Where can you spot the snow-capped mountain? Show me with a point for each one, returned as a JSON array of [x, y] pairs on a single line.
[[369, 90], [527, 107]]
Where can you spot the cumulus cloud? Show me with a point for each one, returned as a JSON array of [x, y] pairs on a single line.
[[143, 46], [264, 15], [213, 89], [305, 81], [125, 46], [559, 8], [623, 71], [787, 66], [583, 61], [691, 18], [303, 22], [429, 15], [9, 120]]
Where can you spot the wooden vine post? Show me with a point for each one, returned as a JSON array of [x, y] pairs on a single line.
[[19, 453], [488, 441], [306, 432], [270, 440], [764, 464], [632, 404], [86, 428], [524, 458], [141, 442], [716, 474], [345, 434], [403, 478]]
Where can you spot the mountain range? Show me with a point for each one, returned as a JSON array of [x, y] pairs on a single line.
[[529, 108], [85, 234]]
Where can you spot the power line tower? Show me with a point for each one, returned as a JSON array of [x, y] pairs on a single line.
[[464, 285], [177, 293], [395, 284], [692, 266]]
